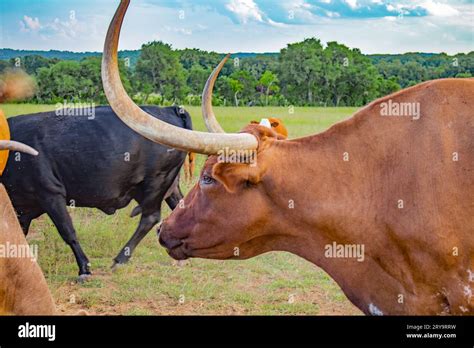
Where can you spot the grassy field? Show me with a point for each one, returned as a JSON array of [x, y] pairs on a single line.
[[152, 283]]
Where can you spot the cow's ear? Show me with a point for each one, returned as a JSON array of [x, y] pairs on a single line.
[[235, 175], [228, 175], [254, 122]]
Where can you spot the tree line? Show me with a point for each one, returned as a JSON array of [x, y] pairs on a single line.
[[302, 74]]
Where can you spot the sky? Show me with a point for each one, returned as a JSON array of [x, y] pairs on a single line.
[[374, 26]]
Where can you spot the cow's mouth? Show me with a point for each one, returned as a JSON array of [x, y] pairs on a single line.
[[182, 249], [174, 247], [177, 253]]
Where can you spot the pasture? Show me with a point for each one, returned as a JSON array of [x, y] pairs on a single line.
[[152, 283]]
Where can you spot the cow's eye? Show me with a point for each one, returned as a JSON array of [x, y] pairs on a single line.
[[207, 180]]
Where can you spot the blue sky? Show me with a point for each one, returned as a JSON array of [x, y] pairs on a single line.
[[374, 26]]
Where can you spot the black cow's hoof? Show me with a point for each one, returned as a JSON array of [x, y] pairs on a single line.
[[116, 265], [84, 278]]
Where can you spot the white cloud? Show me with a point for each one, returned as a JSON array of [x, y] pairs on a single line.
[[30, 24], [68, 29], [297, 4], [211, 28], [183, 31], [332, 14], [55, 29], [352, 3], [439, 9], [276, 24], [245, 10]]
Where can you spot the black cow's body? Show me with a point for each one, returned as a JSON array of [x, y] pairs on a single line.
[[95, 162]]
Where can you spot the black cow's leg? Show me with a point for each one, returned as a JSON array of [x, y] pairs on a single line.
[[146, 224], [174, 194], [174, 198], [25, 222], [25, 219], [56, 209]]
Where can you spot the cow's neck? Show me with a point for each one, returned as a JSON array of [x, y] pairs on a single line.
[[328, 204]]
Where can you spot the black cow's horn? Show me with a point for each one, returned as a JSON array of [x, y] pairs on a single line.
[[16, 146], [149, 126]]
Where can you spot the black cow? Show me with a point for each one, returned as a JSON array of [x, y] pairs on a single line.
[[92, 161]]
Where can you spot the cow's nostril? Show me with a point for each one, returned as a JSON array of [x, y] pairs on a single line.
[[168, 242]]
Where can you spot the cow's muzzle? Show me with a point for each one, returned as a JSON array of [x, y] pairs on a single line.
[[173, 246]]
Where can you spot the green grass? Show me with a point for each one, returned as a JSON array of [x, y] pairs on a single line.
[[21, 109], [276, 283]]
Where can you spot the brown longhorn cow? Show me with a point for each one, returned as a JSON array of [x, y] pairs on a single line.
[[23, 289], [383, 202]]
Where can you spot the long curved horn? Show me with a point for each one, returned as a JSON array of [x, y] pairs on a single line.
[[16, 146], [212, 124], [149, 126]]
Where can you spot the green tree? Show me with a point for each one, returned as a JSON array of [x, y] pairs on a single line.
[[236, 87], [243, 84], [304, 73], [197, 78], [3, 66], [386, 86], [159, 66], [32, 63], [267, 83], [259, 64], [191, 57], [349, 77], [60, 82], [75, 81], [300, 72]]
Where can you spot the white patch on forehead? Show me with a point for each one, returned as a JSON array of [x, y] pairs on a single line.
[[446, 309], [471, 275], [468, 292], [265, 122], [374, 310]]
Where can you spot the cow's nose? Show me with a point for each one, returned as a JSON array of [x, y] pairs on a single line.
[[167, 241]]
